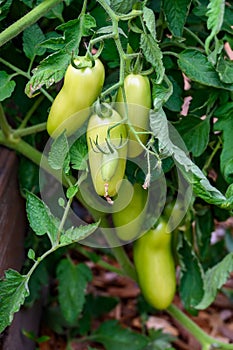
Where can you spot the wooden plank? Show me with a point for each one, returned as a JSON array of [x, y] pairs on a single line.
[[12, 214], [12, 253]]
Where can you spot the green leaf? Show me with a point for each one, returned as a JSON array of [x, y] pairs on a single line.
[[109, 29], [72, 285], [194, 176], [71, 191], [56, 12], [7, 85], [195, 133], [40, 218], [204, 228], [153, 55], [32, 37], [191, 274], [161, 94], [31, 254], [75, 234], [5, 6], [159, 340], [176, 12], [122, 6], [59, 152], [175, 101], [114, 337], [225, 124], [13, 291], [54, 43], [49, 71], [214, 279], [79, 154], [215, 14], [197, 68], [225, 70], [53, 67], [149, 18], [88, 23]]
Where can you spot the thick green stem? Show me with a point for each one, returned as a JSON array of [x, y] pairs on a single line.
[[205, 340], [31, 17], [6, 129], [100, 262], [31, 111], [29, 130], [124, 261]]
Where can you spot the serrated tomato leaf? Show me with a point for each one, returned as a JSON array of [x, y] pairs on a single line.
[[13, 291], [214, 279], [72, 285], [196, 66], [75, 234], [7, 85], [40, 217], [114, 337], [176, 12], [191, 274], [195, 133]]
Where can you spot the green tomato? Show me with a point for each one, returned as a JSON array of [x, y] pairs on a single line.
[[174, 213], [128, 221], [81, 88], [155, 266], [109, 165], [107, 171], [138, 96]]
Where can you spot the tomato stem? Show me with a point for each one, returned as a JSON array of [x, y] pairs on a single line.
[[26, 75], [205, 340], [6, 129], [31, 17]]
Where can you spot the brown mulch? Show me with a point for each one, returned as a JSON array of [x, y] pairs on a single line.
[[217, 320]]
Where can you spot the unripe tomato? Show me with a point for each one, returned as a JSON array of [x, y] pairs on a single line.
[[138, 96], [128, 221], [80, 89], [174, 213], [155, 266], [107, 168]]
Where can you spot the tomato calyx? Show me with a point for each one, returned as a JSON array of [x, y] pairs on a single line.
[[103, 110], [110, 159], [81, 62]]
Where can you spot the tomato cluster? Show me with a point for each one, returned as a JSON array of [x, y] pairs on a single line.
[[113, 134]]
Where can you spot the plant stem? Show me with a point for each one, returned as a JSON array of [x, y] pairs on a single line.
[[31, 111], [205, 340], [26, 75], [194, 36], [209, 160], [124, 261], [31, 17], [100, 262], [6, 129], [29, 130]]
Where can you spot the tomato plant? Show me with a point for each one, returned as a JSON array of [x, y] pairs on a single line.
[[98, 93]]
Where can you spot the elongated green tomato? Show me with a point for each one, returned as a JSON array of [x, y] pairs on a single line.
[[155, 266], [128, 221], [81, 88], [174, 213], [108, 167], [138, 96]]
